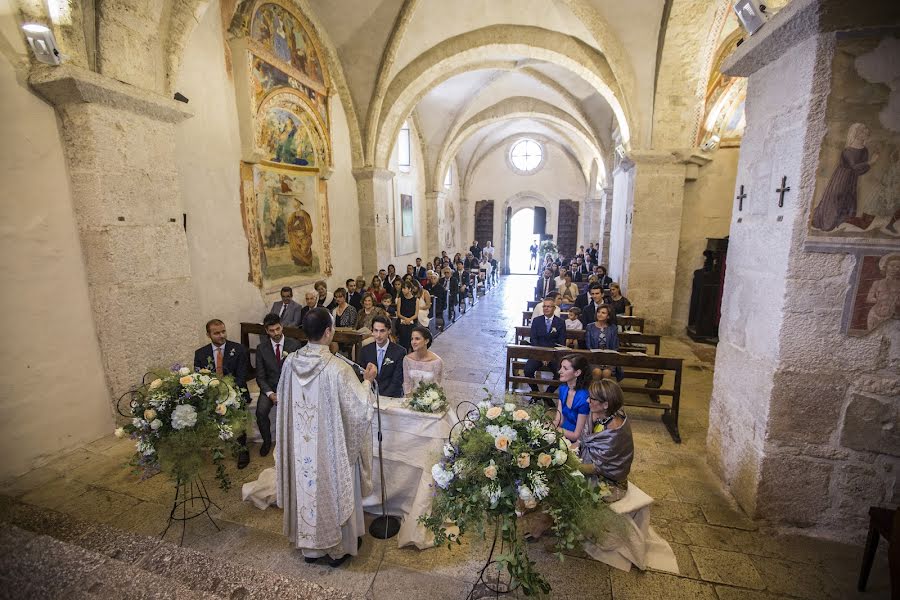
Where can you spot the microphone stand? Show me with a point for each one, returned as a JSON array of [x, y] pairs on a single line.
[[386, 526]]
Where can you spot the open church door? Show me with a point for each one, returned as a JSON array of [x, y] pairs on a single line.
[[540, 221]]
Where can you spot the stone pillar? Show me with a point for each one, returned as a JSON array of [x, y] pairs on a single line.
[[603, 232], [465, 235], [119, 143], [431, 239], [653, 229], [374, 191], [803, 416]]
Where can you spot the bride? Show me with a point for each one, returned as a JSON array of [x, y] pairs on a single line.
[[421, 364]]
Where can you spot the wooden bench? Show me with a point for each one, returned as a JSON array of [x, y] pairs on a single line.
[[344, 337], [629, 341], [635, 366]]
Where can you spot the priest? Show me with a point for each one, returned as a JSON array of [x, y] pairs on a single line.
[[323, 465]]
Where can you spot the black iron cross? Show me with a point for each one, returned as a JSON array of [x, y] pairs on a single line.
[[781, 191], [740, 198]]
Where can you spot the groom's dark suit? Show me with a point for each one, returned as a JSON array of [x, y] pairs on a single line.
[[268, 372], [390, 375]]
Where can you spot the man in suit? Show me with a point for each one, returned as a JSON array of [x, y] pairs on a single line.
[[589, 311], [225, 357], [545, 285], [451, 284], [287, 310], [312, 301], [438, 298], [270, 355], [386, 356], [354, 296], [419, 272], [579, 272], [547, 331], [475, 249], [462, 286]]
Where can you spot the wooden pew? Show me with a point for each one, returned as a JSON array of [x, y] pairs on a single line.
[[346, 337], [629, 341], [631, 364]]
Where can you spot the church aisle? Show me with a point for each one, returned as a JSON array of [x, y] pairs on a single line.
[[721, 553]]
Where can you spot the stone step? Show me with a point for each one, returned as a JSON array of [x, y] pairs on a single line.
[[201, 575]]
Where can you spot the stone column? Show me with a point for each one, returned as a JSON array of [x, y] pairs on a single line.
[[465, 235], [374, 191], [803, 416], [119, 142], [588, 211], [431, 239], [606, 206], [654, 221]]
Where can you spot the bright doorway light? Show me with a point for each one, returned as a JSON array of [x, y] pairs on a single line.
[[521, 233]]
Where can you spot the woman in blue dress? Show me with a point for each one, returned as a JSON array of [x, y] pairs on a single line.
[[573, 404], [603, 335]]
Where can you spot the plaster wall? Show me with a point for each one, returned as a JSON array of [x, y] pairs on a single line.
[[208, 153], [619, 226], [48, 403], [558, 178], [410, 182], [706, 213]]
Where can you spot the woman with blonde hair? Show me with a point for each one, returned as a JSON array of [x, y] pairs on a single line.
[[606, 446]]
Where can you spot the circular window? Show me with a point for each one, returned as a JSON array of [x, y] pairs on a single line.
[[526, 156]]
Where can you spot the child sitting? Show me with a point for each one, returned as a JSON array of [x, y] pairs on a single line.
[[573, 324], [388, 303]]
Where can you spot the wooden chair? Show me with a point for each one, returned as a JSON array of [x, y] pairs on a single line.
[[883, 522]]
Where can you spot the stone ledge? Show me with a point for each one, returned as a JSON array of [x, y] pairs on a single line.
[[68, 84]]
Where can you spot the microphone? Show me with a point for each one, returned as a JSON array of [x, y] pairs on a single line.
[[359, 370]]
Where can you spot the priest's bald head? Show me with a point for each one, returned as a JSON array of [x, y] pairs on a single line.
[[319, 325]]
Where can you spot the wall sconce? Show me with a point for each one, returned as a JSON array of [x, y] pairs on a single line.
[[42, 43], [751, 14]]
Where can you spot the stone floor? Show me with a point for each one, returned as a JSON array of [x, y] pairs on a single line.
[[721, 553]]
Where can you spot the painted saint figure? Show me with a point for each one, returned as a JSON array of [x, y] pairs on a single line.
[[884, 294], [839, 200], [300, 230]]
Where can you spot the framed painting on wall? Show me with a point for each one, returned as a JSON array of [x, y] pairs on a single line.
[[286, 221], [875, 300]]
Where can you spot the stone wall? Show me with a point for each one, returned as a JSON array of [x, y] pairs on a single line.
[[803, 417], [53, 393]]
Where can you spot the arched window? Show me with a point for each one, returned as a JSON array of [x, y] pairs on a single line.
[[448, 178], [404, 152], [526, 156]]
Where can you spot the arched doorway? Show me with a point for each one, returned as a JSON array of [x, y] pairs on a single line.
[[521, 236]]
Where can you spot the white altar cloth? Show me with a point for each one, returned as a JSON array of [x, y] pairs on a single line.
[[412, 442]]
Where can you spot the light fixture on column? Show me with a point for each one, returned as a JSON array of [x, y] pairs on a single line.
[[711, 144], [751, 13], [42, 43]]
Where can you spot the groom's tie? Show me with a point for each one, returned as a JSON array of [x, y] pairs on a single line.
[[380, 358]]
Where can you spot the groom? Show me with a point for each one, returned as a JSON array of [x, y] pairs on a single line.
[[387, 358]]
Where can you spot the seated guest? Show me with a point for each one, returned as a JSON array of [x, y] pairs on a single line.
[[589, 310], [471, 262], [312, 301], [377, 289], [462, 288], [368, 311], [579, 270], [225, 357], [602, 335], [438, 296], [547, 331], [450, 282], [287, 310], [344, 314], [419, 271], [606, 447], [269, 356], [360, 287], [475, 249], [386, 356], [602, 277], [423, 304], [354, 297], [421, 364], [387, 303], [407, 312], [539, 307], [572, 406], [617, 302], [411, 271], [322, 289], [568, 290], [456, 258], [391, 281], [545, 284], [573, 324], [488, 251]]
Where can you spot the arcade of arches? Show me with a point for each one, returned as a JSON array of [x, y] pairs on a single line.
[[386, 129]]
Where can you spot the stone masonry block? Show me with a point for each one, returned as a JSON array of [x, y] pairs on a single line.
[[872, 424], [793, 489], [122, 255], [805, 407]]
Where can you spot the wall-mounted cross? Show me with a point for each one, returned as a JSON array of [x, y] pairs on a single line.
[[782, 190], [740, 198]]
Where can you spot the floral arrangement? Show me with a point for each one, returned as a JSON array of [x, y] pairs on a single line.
[[428, 397], [547, 247], [180, 416], [508, 461]]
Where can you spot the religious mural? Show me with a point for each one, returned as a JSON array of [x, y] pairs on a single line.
[[265, 78], [286, 220], [876, 299], [284, 138], [285, 38], [857, 197]]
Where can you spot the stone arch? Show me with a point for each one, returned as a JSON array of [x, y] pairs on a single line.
[[461, 53], [518, 201], [511, 108]]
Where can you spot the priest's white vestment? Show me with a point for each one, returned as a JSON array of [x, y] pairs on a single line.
[[323, 461]]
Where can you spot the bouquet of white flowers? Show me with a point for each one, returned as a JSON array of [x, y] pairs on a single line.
[[428, 397], [182, 415]]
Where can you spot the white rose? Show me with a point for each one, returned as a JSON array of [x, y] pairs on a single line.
[[184, 416], [184, 371], [509, 407], [155, 424], [213, 382], [120, 432], [550, 438], [448, 451], [560, 457], [155, 384], [204, 379]]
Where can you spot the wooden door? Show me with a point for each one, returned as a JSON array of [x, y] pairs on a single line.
[[567, 228], [484, 222]]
